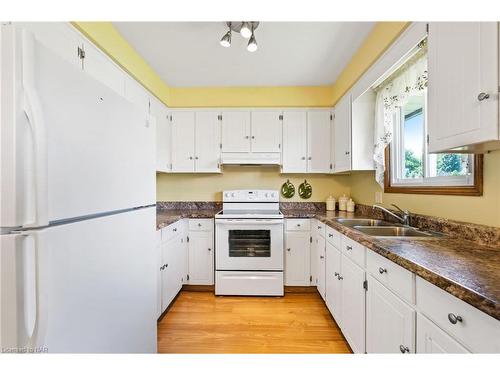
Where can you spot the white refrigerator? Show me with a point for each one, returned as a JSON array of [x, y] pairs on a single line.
[[77, 209]]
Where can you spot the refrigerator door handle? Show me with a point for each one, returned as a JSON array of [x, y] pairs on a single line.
[[34, 296], [33, 110]]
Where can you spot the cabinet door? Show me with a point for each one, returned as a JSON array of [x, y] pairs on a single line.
[[160, 113], [333, 283], [353, 304], [201, 258], [314, 258], [294, 142], [320, 283], [181, 261], [432, 339], [297, 258], [60, 37], [456, 116], [266, 131], [136, 93], [236, 131], [342, 135], [390, 322], [100, 67], [318, 141], [159, 268], [168, 278], [182, 126], [207, 142]]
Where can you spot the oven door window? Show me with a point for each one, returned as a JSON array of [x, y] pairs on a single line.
[[249, 243]]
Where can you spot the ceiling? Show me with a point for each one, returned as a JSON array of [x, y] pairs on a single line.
[[188, 54]]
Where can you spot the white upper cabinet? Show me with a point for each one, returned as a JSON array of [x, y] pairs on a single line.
[[183, 152], [318, 141], [266, 131], [390, 322], [100, 67], [297, 258], [463, 86], [136, 93], [294, 152], [236, 131], [207, 142], [60, 37], [342, 135], [163, 137]]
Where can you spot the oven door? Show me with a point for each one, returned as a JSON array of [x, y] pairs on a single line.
[[249, 244]]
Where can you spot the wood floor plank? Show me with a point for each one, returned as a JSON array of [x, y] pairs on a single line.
[[200, 322]]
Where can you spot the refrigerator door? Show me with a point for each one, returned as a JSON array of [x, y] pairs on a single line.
[[71, 147], [82, 287]]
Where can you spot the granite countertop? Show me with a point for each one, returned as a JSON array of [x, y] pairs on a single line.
[[469, 271], [167, 217]]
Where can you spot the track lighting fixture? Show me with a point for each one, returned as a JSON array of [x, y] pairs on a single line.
[[246, 30]]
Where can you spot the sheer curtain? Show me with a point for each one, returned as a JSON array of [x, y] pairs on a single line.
[[392, 94]]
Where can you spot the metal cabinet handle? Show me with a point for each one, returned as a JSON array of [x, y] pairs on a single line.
[[253, 136], [340, 277], [246, 137], [199, 224], [454, 318], [382, 270], [347, 152], [209, 249], [483, 96], [190, 158], [288, 249], [404, 349], [330, 235], [321, 257], [309, 158], [348, 247], [196, 157], [174, 230], [336, 274], [298, 225], [319, 226], [162, 268], [303, 158]]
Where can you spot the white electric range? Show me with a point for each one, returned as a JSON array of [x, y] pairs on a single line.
[[249, 244]]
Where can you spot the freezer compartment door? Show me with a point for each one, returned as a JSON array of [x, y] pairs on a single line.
[[71, 146], [84, 287]]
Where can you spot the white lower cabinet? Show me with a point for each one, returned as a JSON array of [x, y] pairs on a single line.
[[333, 282], [433, 340], [201, 253], [297, 258], [390, 322], [353, 304], [320, 280]]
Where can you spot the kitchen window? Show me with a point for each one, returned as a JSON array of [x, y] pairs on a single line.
[[404, 164]]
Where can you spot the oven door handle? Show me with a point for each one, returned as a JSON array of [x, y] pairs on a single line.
[[250, 221]]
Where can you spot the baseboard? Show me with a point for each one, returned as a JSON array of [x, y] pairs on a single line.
[[198, 288], [301, 289]]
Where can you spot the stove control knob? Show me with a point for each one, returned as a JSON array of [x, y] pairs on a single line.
[[266, 195], [226, 195], [272, 195], [233, 195]]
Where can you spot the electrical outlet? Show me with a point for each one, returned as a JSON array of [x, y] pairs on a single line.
[[378, 197]]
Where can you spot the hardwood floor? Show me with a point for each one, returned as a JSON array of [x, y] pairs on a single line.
[[200, 322]]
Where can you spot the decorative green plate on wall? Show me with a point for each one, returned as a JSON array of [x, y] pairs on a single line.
[[305, 190], [287, 189]]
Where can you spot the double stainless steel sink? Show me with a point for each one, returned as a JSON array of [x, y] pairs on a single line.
[[382, 228]]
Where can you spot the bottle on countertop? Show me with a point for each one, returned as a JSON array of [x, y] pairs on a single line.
[[330, 203], [343, 202], [351, 205]]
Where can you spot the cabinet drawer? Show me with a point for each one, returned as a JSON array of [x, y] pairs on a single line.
[[298, 224], [353, 250], [394, 277], [171, 231], [477, 331], [334, 237], [201, 225], [433, 340], [319, 228]]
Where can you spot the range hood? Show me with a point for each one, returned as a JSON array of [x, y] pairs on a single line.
[[251, 158]]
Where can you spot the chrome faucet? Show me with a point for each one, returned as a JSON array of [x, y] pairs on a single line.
[[405, 214]]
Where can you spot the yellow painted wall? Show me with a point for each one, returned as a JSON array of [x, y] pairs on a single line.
[[208, 187], [293, 96], [480, 210], [375, 44]]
